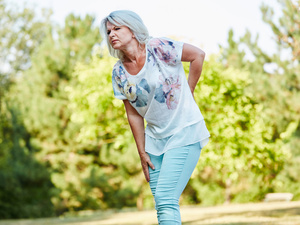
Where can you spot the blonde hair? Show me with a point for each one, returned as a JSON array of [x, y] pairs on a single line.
[[124, 18]]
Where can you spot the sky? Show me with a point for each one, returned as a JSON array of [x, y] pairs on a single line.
[[204, 23]]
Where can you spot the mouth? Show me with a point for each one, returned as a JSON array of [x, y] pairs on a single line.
[[114, 41]]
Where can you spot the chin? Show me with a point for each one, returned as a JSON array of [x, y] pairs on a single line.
[[117, 47]]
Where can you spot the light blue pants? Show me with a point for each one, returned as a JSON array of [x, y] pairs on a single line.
[[173, 170]]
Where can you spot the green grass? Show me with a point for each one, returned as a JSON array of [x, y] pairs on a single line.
[[277, 213]]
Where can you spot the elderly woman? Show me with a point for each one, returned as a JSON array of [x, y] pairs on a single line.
[[150, 79]]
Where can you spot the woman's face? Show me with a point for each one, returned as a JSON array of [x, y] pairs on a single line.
[[119, 36]]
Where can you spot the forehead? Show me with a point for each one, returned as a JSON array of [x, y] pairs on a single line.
[[109, 25]]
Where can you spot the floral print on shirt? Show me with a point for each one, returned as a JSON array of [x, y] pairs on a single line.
[[168, 91], [135, 93], [164, 50]]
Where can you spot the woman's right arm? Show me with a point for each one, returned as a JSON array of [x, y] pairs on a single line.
[[136, 122]]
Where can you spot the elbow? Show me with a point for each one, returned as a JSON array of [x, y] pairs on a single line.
[[201, 54]]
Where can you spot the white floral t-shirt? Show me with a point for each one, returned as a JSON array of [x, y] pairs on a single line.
[[159, 92]]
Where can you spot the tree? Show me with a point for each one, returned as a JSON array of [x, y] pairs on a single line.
[[42, 101], [287, 36], [24, 182], [21, 33], [241, 161], [276, 80]]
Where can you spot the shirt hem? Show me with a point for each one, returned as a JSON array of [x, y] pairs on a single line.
[[179, 146], [174, 131]]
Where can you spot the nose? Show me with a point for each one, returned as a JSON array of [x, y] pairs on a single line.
[[111, 34]]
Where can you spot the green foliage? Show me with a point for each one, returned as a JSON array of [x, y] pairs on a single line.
[[241, 144], [287, 29], [21, 33], [24, 182], [43, 103], [275, 85], [104, 127], [40, 102]]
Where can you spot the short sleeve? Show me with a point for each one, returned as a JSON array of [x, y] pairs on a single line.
[[117, 83], [167, 50]]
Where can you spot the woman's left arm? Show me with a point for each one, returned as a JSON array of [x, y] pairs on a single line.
[[196, 57]]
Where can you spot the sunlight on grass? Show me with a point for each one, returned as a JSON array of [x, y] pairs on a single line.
[[277, 213]]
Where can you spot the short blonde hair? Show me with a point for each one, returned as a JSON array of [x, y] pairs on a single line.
[[124, 18]]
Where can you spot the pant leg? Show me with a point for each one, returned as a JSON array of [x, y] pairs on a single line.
[[154, 174], [176, 168]]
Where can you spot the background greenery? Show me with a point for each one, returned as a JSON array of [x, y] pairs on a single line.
[[65, 144]]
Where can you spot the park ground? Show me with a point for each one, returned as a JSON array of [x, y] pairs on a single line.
[[265, 213]]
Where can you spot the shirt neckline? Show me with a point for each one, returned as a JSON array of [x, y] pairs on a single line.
[[144, 66]]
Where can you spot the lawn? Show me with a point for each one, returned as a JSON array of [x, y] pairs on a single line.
[[283, 213]]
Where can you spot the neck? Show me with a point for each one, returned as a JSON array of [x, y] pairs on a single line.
[[133, 52]]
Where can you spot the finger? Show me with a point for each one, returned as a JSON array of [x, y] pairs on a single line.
[[151, 165], [146, 173]]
